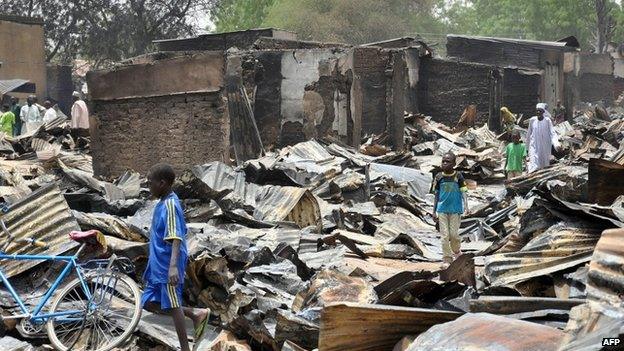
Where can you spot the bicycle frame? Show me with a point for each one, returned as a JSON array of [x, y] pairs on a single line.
[[36, 316]]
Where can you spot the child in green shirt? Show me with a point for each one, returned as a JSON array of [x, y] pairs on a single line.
[[515, 155], [7, 120]]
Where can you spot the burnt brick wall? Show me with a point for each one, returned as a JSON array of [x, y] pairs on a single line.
[[369, 65], [183, 130], [493, 52], [596, 87], [520, 92], [445, 88]]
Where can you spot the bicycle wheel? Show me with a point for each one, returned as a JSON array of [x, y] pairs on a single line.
[[114, 313]]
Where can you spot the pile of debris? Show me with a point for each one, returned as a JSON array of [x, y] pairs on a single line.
[[323, 246]]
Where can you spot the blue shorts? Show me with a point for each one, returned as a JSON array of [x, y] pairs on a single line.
[[167, 295]]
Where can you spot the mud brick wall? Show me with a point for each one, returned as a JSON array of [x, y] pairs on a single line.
[[297, 95], [445, 88], [136, 133], [369, 68], [520, 91], [492, 52], [262, 72], [596, 87]]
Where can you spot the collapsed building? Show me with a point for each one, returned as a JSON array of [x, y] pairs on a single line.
[[264, 89]]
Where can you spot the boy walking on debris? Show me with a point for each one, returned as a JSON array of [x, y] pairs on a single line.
[[164, 275], [450, 202], [515, 154]]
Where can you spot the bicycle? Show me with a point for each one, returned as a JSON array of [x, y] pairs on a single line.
[[97, 311]]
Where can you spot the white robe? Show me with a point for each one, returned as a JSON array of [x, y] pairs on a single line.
[[541, 137]]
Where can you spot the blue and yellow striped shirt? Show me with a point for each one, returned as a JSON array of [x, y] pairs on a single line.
[[167, 224]]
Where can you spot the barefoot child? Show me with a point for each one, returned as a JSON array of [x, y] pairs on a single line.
[[515, 153], [164, 275], [449, 204]]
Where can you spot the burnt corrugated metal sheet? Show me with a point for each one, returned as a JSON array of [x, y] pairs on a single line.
[[43, 215], [589, 324], [484, 331], [557, 45], [268, 203], [558, 248], [605, 181], [605, 279]]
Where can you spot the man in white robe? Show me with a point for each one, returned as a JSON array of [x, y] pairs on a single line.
[[541, 137]]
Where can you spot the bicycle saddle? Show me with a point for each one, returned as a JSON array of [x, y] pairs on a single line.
[[90, 237]]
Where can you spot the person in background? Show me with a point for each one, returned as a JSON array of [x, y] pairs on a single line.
[[7, 120], [559, 113], [50, 112], [541, 137], [508, 119], [30, 116], [79, 114], [450, 203], [166, 265], [515, 153], [16, 108]]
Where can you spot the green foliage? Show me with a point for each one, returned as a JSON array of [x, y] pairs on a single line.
[[353, 21], [233, 15], [528, 19]]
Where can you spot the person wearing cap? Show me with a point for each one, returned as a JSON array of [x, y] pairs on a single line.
[[79, 113], [541, 137]]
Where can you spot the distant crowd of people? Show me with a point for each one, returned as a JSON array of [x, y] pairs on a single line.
[[17, 120]]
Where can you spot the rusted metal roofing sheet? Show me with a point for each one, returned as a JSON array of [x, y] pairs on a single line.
[[43, 215], [362, 327], [605, 279], [589, 324], [279, 203], [558, 248], [484, 331]]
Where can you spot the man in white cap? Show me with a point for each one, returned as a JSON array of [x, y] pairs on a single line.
[[541, 137], [79, 113]]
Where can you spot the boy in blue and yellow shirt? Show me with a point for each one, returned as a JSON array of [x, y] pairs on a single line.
[[164, 275], [450, 202]]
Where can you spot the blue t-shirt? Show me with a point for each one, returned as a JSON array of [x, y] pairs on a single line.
[[449, 188], [168, 224]]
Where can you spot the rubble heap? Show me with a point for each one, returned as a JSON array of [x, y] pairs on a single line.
[[323, 246]]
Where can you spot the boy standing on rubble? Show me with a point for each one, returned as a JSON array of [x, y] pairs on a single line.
[[450, 202], [164, 275], [515, 153]]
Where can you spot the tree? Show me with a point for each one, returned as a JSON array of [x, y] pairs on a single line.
[[232, 15], [605, 26], [353, 21], [528, 19], [106, 31]]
